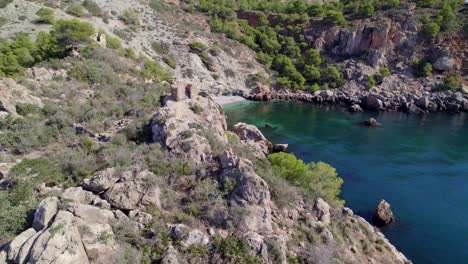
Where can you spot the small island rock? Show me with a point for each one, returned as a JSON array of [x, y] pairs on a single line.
[[383, 215], [371, 122]]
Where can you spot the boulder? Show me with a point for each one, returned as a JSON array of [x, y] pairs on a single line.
[[170, 257], [464, 89], [188, 237], [181, 128], [45, 212], [321, 210], [61, 243], [261, 93], [355, 108], [16, 244], [371, 102], [12, 94], [280, 147], [371, 122], [101, 181], [252, 136], [383, 215], [250, 195], [444, 61]]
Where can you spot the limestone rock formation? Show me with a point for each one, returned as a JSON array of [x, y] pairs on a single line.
[[45, 212], [254, 138], [12, 94], [250, 194], [188, 129], [383, 215]]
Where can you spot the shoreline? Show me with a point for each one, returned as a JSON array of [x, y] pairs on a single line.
[[374, 100], [224, 100]]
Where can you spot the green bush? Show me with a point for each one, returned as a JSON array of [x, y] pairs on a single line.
[[72, 32], [312, 57], [421, 69], [4, 3], [385, 72], [14, 218], [92, 7], [153, 70], [431, 29], [131, 18], [45, 16], [426, 3], [426, 70], [75, 9], [311, 73], [316, 179], [367, 9], [371, 82], [198, 47], [94, 73], [451, 83], [334, 18], [333, 77], [113, 43]]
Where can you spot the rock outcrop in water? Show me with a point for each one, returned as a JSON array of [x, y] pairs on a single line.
[[383, 215]]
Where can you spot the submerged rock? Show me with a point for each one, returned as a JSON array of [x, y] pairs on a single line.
[[355, 108], [371, 122], [383, 215]]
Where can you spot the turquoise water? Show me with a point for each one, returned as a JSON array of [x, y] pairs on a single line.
[[417, 163]]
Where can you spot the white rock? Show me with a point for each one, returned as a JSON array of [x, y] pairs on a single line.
[[45, 212]]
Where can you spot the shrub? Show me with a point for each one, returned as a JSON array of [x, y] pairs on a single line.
[[333, 77], [388, 4], [426, 70], [311, 73], [371, 82], [113, 43], [130, 17], [367, 9], [94, 73], [4, 3], [14, 218], [75, 9], [449, 19], [92, 7], [72, 32], [431, 29], [315, 87], [45, 16], [316, 179], [315, 10], [153, 70], [259, 77], [334, 18], [451, 83], [385, 72], [312, 57], [426, 3], [198, 47]]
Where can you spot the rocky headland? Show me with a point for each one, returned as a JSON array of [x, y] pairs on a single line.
[[83, 224]]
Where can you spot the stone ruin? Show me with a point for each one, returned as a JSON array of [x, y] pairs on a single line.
[[100, 39], [181, 90]]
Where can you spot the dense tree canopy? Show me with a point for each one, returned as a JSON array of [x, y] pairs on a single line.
[[318, 179]]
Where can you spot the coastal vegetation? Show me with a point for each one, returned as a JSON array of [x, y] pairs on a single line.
[[278, 34]]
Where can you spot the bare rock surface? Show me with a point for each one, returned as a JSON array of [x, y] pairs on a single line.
[[12, 94], [383, 215]]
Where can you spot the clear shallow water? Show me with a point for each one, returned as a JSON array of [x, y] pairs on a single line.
[[417, 163]]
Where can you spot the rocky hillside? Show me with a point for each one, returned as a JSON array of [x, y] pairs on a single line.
[[217, 210]]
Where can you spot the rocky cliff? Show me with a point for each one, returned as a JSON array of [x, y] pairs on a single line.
[[89, 223]]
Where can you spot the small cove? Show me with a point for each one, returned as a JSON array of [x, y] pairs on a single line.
[[417, 163]]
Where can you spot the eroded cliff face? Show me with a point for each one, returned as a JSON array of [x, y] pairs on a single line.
[[85, 224]]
